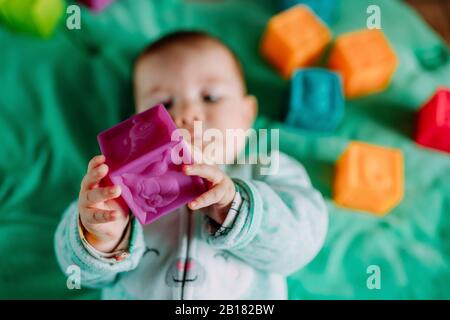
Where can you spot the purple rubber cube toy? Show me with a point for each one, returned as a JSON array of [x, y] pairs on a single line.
[[139, 153]]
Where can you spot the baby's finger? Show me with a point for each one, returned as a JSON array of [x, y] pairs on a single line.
[[208, 198], [208, 172], [101, 194], [95, 162], [97, 216], [94, 176]]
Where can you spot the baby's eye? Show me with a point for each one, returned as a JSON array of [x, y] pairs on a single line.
[[167, 103], [210, 98]]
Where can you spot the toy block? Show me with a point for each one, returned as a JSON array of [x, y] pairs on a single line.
[[369, 178], [2, 5], [96, 5], [2, 13], [365, 60], [325, 9], [146, 163], [433, 123], [37, 17], [316, 100], [294, 38]]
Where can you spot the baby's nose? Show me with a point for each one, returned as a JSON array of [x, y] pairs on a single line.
[[187, 115]]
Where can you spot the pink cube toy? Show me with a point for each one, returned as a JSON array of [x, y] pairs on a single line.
[[433, 125], [146, 162], [96, 5]]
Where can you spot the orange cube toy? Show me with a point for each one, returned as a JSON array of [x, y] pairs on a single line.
[[369, 178], [365, 60], [294, 38]]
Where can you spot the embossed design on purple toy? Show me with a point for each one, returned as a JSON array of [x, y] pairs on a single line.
[[153, 187], [142, 133]]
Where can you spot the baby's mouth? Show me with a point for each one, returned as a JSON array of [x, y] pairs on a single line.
[[196, 136], [190, 136]]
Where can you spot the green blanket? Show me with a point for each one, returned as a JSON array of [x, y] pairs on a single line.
[[56, 95]]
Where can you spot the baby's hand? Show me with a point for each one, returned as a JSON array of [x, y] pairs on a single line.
[[102, 213], [220, 194]]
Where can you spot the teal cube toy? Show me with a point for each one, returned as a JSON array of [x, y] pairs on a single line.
[[325, 9], [37, 17], [316, 100]]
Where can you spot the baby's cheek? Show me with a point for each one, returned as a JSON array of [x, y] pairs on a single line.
[[234, 148], [230, 122]]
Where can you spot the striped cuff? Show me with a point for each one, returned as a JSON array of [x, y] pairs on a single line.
[[246, 222], [215, 229], [231, 215], [119, 253]]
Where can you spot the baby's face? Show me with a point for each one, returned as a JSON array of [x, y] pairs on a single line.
[[198, 82]]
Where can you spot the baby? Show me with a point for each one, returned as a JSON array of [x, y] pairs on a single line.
[[238, 240]]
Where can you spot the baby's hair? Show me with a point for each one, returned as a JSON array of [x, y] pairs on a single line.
[[188, 38]]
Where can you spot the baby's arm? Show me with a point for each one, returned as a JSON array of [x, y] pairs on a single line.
[[96, 233], [281, 222]]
